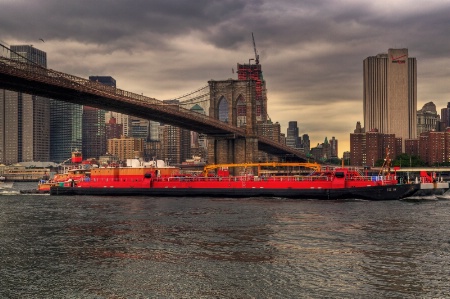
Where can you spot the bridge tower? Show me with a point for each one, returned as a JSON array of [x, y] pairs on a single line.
[[233, 102]]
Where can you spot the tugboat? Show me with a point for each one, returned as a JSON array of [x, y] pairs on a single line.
[[73, 174]]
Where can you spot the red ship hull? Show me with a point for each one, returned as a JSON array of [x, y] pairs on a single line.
[[337, 184]]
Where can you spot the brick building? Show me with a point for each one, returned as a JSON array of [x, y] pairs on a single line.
[[368, 148], [126, 147]]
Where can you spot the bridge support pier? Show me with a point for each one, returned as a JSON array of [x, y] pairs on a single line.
[[234, 102], [237, 150]]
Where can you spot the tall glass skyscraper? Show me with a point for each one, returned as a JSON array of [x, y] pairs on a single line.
[[65, 129], [292, 137]]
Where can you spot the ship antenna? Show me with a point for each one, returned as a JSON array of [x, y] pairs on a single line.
[[386, 163]]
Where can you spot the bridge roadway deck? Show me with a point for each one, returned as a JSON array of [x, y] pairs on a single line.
[[39, 81]]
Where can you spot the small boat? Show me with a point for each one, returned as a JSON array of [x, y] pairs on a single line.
[[6, 185]]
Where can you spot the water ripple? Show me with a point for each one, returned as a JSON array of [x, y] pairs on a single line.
[[108, 247]]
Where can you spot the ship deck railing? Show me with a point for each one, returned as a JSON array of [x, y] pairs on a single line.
[[268, 178], [295, 178]]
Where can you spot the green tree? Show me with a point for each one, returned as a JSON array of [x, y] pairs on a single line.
[[334, 161], [405, 160]]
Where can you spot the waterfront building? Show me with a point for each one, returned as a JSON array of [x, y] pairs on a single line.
[[427, 118], [126, 147], [358, 146], [358, 149], [24, 118], [434, 147], [66, 132], [390, 94], [366, 148], [412, 147]]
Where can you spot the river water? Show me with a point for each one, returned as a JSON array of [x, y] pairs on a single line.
[[142, 247]]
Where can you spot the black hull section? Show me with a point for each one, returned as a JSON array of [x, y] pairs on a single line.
[[369, 193]]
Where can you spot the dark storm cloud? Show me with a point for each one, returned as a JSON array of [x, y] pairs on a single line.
[[105, 21]]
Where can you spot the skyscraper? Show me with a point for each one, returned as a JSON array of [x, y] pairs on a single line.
[[94, 126], [94, 132], [24, 118], [292, 136], [334, 147], [427, 118], [390, 94], [445, 115], [65, 129]]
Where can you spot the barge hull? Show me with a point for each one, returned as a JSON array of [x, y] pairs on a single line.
[[391, 192]]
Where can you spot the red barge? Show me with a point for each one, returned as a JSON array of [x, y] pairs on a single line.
[[315, 182]]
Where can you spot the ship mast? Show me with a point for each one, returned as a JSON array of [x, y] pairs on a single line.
[[386, 168]]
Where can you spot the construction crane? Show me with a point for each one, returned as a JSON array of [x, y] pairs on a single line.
[[314, 166], [254, 48]]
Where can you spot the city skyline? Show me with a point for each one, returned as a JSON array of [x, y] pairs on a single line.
[[311, 53]]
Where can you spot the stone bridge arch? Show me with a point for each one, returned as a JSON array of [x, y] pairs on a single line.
[[240, 99]]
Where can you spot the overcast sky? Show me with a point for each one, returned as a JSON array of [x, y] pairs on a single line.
[[311, 51]]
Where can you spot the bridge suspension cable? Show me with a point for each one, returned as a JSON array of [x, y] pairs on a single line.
[[192, 92]]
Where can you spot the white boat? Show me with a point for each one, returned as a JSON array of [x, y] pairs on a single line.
[[6, 185]]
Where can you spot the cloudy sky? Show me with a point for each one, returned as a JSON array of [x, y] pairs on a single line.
[[311, 51]]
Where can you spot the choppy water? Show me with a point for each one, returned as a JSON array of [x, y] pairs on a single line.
[[140, 247]]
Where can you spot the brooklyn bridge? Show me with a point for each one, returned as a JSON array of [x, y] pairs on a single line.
[[230, 142]]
